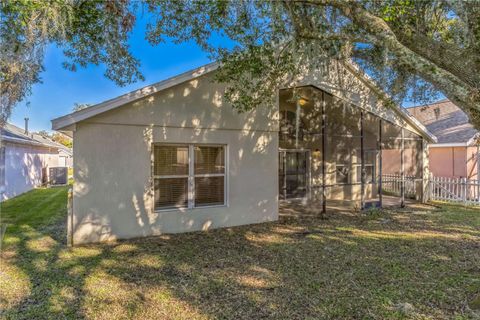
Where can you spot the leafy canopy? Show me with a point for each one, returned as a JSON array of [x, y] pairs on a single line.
[[413, 49]]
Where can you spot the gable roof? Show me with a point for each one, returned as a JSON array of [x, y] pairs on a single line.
[[446, 121], [72, 118], [64, 123], [14, 134]]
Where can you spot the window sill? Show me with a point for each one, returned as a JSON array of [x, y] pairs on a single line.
[[181, 209]]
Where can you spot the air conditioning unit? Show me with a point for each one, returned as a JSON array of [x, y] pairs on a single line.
[[58, 175]]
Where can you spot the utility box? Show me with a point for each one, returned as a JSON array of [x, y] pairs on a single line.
[[58, 175]]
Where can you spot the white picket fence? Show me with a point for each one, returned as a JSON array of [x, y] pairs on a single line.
[[392, 183], [460, 190]]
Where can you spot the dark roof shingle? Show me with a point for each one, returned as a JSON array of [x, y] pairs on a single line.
[[445, 120], [12, 133]]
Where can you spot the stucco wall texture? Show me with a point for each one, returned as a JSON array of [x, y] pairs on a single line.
[[113, 194]]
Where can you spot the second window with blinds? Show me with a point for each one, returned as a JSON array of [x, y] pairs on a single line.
[[189, 176]]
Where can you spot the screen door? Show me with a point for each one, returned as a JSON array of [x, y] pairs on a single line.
[[293, 174]]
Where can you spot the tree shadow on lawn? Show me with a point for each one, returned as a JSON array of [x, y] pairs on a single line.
[[350, 266]]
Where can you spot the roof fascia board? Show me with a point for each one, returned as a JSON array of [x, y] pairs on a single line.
[[69, 119], [448, 144], [27, 142]]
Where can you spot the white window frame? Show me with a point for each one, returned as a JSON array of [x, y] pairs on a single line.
[[349, 174], [191, 176], [359, 177]]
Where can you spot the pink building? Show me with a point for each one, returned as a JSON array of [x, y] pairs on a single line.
[[456, 152]]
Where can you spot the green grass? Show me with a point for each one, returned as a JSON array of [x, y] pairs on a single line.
[[351, 266], [37, 208]]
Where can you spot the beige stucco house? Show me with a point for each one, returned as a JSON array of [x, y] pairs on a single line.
[[176, 157]]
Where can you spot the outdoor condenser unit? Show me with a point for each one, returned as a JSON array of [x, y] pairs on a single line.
[[58, 175]]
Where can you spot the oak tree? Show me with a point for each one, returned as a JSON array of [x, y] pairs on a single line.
[[413, 49]]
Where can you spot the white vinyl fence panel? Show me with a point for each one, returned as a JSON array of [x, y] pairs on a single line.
[[460, 190], [392, 184]]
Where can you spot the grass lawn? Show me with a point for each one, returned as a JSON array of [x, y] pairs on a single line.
[[420, 263]]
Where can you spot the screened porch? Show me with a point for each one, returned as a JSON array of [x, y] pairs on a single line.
[[335, 153]]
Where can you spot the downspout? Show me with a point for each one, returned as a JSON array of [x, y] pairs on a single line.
[[324, 141], [70, 217]]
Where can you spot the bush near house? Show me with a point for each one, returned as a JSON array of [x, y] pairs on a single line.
[[421, 262]]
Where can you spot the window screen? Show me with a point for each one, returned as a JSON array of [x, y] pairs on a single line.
[[171, 176], [171, 160], [209, 168], [175, 166], [341, 174], [171, 192]]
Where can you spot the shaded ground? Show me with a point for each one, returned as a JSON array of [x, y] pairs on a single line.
[[417, 263]]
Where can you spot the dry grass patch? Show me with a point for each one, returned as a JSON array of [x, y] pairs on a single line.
[[418, 263]]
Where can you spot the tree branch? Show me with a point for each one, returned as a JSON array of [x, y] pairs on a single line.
[[455, 89]]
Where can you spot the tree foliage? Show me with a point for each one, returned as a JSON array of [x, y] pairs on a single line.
[[90, 32], [57, 137], [79, 106], [62, 139], [412, 48]]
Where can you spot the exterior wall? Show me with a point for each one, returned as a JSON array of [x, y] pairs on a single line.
[[64, 159], [391, 161], [23, 168], [472, 163], [448, 161], [113, 194], [459, 161]]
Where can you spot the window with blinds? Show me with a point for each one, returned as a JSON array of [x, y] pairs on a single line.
[[171, 176], [209, 167], [187, 176]]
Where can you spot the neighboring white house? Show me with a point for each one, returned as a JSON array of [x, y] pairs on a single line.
[[176, 157], [24, 160], [65, 156]]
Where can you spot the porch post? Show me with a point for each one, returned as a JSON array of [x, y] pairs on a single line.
[[362, 164], [402, 172], [380, 195], [324, 140]]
